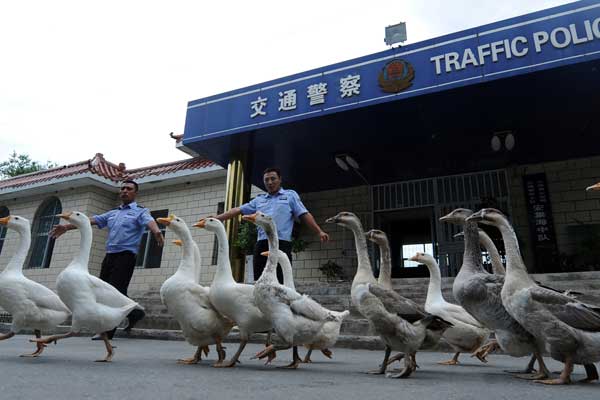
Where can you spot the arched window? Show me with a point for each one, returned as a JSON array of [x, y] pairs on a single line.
[[3, 213], [42, 244]]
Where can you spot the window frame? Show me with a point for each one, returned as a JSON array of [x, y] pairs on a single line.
[[4, 212], [48, 209], [148, 243]]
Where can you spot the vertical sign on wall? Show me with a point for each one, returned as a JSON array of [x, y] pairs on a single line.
[[541, 223]]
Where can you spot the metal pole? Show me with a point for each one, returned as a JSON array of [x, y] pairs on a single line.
[[237, 192]]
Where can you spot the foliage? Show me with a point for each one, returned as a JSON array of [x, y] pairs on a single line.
[[19, 164], [332, 270], [246, 237]]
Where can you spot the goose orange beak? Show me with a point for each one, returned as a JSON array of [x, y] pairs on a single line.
[[65, 215], [265, 254], [177, 242], [249, 218], [4, 221], [165, 221], [200, 224]]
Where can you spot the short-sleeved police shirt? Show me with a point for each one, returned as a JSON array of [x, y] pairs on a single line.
[[283, 206], [126, 225]]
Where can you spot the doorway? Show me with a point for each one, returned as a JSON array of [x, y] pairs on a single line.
[[409, 231]]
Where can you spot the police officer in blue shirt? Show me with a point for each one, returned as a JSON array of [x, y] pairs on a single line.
[[284, 206], [126, 225]]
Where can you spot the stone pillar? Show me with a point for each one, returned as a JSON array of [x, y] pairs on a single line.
[[237, 192]]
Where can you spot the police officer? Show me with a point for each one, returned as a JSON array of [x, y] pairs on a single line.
[[126, 225], [284, 206]]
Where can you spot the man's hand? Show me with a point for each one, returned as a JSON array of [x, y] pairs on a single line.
[[57, 231], [324, 236], [160, 240]]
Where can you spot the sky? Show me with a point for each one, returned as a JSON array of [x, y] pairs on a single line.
[[114, 77]]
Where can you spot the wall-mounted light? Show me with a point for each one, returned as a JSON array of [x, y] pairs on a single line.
[[503, 136], [341, 163]]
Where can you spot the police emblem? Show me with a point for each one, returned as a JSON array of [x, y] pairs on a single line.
[[396, 76]]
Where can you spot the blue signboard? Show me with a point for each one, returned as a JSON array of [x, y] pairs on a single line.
[[546, 39]]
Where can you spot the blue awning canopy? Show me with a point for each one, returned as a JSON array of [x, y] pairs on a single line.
[[427, 109]]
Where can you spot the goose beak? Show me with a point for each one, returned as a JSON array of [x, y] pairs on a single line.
[[476, 217], [65, 215], [265, 254], [414, 258], [4, 221], [332, 220], [593, 187], [249, 218], [201, 224], [177, 242], [459, 235], [445, 217], [165, 221]]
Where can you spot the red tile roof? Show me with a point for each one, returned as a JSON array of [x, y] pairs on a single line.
[[103, 168]]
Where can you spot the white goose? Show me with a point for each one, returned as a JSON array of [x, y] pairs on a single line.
[[331, 329], [568, 328], [32, 305], [96, 305], [297, 319], [467, 334], [231, 299], [189, 302], [402, 324]]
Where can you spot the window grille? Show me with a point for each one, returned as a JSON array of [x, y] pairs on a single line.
[[43, 245], [150, 253]]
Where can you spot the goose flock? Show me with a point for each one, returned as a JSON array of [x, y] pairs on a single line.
[[525, 317]]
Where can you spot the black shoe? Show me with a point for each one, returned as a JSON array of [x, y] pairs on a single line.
[[134, 317]]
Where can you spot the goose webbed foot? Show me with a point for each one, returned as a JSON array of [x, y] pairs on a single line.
[[327, 353], [39, 346], [565, 375], [384, 363], [220, 352], [482, 352], [192, 360], [109, 349], [296, 360], [307, 359], [234, 360], [51, 339], [395, 357], [453, 361], [409, 367], [532, 377], [529, 370], [592, 373]]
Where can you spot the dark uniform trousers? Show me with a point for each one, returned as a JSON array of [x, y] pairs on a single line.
[[259, 261], [117, 269]]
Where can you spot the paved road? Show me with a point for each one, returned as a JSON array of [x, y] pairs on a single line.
[[145, 369]]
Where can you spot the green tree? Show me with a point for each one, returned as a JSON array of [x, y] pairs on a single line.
[[19, 164]]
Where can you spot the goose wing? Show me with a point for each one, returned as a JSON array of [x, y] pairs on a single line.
[[107, 294], [46, 298], [570, 311], [458, 313], [300, 304], [397, 304]]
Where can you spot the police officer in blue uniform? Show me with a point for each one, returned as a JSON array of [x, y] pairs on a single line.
[[126, 225], [284, 206]]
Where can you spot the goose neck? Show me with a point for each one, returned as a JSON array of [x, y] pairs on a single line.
[[515, 267], [472, 255], [364, 273], [385, 269], [434, 289], [82, 258], [270, 272], [16, 262], [223, 272]]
